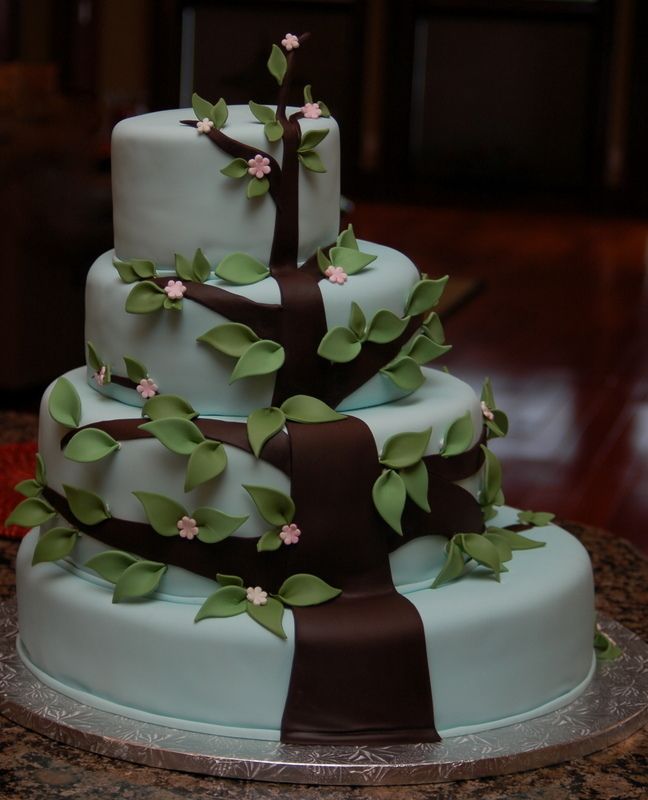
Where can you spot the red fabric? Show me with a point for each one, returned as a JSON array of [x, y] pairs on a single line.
[[17, 462]]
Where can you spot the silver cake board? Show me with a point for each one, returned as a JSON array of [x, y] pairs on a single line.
[[614, 706]]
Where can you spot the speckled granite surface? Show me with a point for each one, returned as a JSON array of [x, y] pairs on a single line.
[[35, 768]]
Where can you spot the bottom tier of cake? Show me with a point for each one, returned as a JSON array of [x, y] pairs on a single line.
[[498, 653]]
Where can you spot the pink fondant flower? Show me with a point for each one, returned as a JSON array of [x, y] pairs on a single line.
[[311, 111], [336, 274], [175, 290], [290, 534], [259, 166], [147, 388], [204, 125], [188, 528], [488, 414], [257, 596], [100, 376], [290, 41]]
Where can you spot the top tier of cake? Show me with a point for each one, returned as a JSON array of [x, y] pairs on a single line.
[[170, 197]]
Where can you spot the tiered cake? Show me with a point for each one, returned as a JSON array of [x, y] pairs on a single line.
[[255, 512]]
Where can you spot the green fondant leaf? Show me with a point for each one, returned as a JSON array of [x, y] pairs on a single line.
[[262, 425], [64, 404], [90, 444], [207, 461], [481, 550], [172, 305], [138, 580], [515, 540], [257, 187], [605, 648], [261, 358], [145, 298], [453, 566], [55, 544], [183, 267], [143, 269], [389, 495], [357, 321], [405, 449], [340, 345], [536, 518], [303, 408], [29, 488], [312, 161], [215, 525], [502, 546], [86, 506], [385, 327], [202, 108], [40, 470], [405, 373], [416, 481], [273, 131], [269, 541], [423, 350], [241, 269], [200, 266], [459, 436], [31, 512], [269, 616], [323, 261], [229, 580], [311, 139], [347, 239], [306, 590], [236, 169], [219, 114], [162, 512], [232, 338], [499, 425], [168, 405], [308, 94], [262, 113], [277, 64], [226, 602], [274, 506], [352, 261], [487, 395], [425, 294], [94, 359], [434, 328], [489, 513], [135, 370], [111, 564], [491, 476], [125, 270], [324, 108], [176, 433]]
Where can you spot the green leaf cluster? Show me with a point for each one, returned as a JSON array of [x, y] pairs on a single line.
[[32, 487], [405, 476], [491, 493], [264, 423], [499, 425], [254, 356], [604, 647], [404, 372], [429, 343], [276, 508], [133, 577], [147, 297], [164, 514], [536, 518], [308, 98], [217, 113], [345, 253], [306, 153], [207, 458], [272, 128], [198, 269], [136, 269], [64, 404], [343, 344], [257, 187], [298, 590], [424, 295]]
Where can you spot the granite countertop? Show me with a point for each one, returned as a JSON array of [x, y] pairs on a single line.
[[34, 767]]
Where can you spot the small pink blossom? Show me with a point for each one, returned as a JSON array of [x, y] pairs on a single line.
[[259, 166], [488, 414], [290, 534], [204, 125], [147, 388], [100, 376], [188, 528], [311, 111], [256, 596], [175, 290], [336, 274], [290, 41]]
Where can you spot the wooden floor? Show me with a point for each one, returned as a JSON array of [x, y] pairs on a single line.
[[561, 328]]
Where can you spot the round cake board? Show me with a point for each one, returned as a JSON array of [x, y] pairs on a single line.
[[613, 707]]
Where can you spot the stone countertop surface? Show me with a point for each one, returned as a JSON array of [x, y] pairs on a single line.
[[33, 767]]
